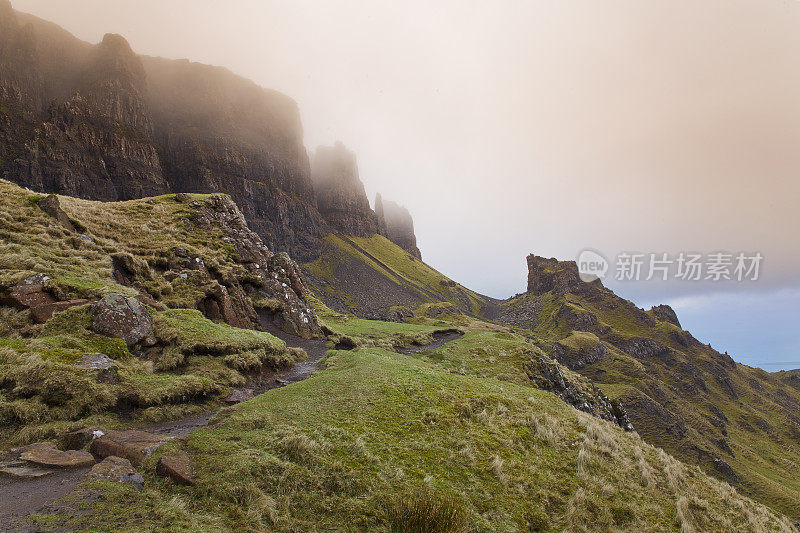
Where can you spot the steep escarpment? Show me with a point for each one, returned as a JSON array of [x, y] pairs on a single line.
[[739, 423], [340, 193], [215, 131], [399, 225], [98, 142], [100, 122]]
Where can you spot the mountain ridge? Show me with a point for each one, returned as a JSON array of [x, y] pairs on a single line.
[[739, 423], [101, 122]]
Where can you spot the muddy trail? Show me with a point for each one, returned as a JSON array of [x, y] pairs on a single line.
[[22, 497], [440, 338]]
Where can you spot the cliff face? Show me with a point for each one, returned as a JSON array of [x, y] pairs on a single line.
[[100, 122], [98, 142], [399, 225], [340, 194], [217, 132]]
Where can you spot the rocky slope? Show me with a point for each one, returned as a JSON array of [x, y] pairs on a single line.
[[372, 277], [739, 423], [145, 309], [399, 225]]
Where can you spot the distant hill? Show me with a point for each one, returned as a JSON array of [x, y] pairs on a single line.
[[738, 423]]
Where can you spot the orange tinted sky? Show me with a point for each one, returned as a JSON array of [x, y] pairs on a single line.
[[516, 126]]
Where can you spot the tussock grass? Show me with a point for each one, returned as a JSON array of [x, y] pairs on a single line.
[[41, 391], [426, 511], [352, 445]]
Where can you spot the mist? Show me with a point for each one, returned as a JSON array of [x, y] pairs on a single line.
[[518, 127]]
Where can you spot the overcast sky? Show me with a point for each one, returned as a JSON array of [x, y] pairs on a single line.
[[511, 127]]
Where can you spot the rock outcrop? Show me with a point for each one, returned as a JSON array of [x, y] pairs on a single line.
[[102, 123], [560, 277], [574, 389], [666, 313], [340, 194], [123, 318], [399, 225]]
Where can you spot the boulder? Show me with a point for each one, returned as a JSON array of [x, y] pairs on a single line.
[[50, 206], [240, 395], [44, 312], [51, 457], [106, 368], [124, 318], [96, 361], [24, 472], [178, 468], [119, 470], [28, 293], [133, 445], [77, 440]]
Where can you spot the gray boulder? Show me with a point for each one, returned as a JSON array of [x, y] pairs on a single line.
[[117, 469], [124, 318]]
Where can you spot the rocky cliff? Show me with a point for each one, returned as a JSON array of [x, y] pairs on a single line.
[[399, 225], [100, 122], [340, 193], [737, 422]]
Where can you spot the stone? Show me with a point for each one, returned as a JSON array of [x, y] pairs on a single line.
[[183, 198], [240, 395], [44, 312], [133, 445], [25, 472], [28, 293], [50, 205], [96, 361], [106, 368], [14, 453], [124, 318], [77, 440], [179, 468], [119, 470], [54, 458]]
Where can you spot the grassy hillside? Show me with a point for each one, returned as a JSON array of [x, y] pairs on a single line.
[[458, 438], [738, 423], [386, 442], [193, 363], [374, 278]]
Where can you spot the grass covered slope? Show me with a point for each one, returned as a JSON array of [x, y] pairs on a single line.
[[738, 423], [386, 442], [374, 278], [173, 265]]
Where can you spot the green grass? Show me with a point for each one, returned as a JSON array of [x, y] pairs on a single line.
[[675, 399], [195, 361], [381, 442], [499, 355], [394, 266]]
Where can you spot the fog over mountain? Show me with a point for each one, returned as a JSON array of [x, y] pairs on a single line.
[[517, 127]]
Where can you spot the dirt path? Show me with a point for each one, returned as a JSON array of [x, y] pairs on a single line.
[[440, 338], [20, 498]]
